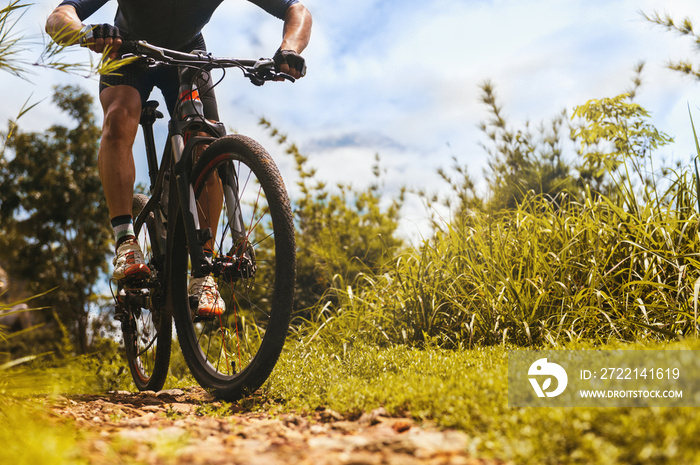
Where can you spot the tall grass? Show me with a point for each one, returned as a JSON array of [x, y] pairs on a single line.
[[550, 271], [468, 390]]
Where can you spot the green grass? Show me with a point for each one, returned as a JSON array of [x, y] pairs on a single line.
[[467, 390], [30, 437], [461, 389]]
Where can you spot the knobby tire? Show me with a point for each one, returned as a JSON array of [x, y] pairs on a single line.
[[233, 354], [148, 328]]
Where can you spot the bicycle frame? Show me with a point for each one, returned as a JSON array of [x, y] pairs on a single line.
[[178, 155]]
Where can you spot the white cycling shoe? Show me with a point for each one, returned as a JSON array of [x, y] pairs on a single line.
[[129, 261], [210, 302]]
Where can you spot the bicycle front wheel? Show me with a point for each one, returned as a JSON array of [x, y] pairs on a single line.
[[241, 199], [145, 317]]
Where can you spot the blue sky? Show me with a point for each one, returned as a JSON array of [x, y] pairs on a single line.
[[401, 78]]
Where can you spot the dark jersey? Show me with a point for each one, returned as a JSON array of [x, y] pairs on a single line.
[[167, 23]]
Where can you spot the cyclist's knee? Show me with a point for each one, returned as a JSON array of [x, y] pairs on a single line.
[[122, 111], [120, 123]]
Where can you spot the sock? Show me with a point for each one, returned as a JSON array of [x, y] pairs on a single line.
[[123, 227]]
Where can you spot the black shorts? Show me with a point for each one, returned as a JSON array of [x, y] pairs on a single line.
[[166, 79]]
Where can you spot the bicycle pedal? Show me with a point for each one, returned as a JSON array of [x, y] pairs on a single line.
[[134, 297], [136, 282]]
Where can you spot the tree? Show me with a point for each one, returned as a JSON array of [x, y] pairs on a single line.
[[520, 162], [54, 231], [616, 135]]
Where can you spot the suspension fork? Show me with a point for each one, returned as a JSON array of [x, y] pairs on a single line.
[[232, 202], [196, 237]]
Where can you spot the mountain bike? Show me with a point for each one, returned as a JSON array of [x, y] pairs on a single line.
[[217, 207]]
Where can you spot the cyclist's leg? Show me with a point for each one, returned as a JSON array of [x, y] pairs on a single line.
[[122, 109], [140, 302], [122, 96]]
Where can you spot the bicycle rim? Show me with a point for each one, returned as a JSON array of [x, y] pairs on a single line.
[[146, 321], [252, 248]]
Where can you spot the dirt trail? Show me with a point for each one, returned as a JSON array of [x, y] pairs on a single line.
[[189, 427]]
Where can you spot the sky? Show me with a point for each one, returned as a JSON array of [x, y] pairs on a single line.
[[401, 79]]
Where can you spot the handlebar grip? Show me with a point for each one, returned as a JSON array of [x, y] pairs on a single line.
[[128, 46]]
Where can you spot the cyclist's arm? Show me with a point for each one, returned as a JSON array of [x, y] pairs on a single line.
[[66, 28], [295, 38], [64, 25], [297, 28], [297, 22]]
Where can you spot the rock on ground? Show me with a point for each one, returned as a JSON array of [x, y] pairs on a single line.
[[190, 427]]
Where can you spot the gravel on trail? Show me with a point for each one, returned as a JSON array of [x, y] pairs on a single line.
[[188, 426]]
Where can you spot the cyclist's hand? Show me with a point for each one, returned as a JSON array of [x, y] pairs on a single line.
[[100, 38], [290, 62]]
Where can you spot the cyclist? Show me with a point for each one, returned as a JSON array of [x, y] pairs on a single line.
[[174, 24]]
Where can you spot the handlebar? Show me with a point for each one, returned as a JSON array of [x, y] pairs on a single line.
[[257, 71]]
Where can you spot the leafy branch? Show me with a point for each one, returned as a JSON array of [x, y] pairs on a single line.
[[11, 43], [685, 28], [61, 43]]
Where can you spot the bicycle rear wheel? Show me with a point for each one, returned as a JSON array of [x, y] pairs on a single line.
[[254, 267], [146, 319]]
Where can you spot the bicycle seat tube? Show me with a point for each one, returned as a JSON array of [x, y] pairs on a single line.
[[149, 115]]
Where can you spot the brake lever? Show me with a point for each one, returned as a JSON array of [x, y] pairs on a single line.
[[144, 62], [260, 75], [285, 76], [253, 77]]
